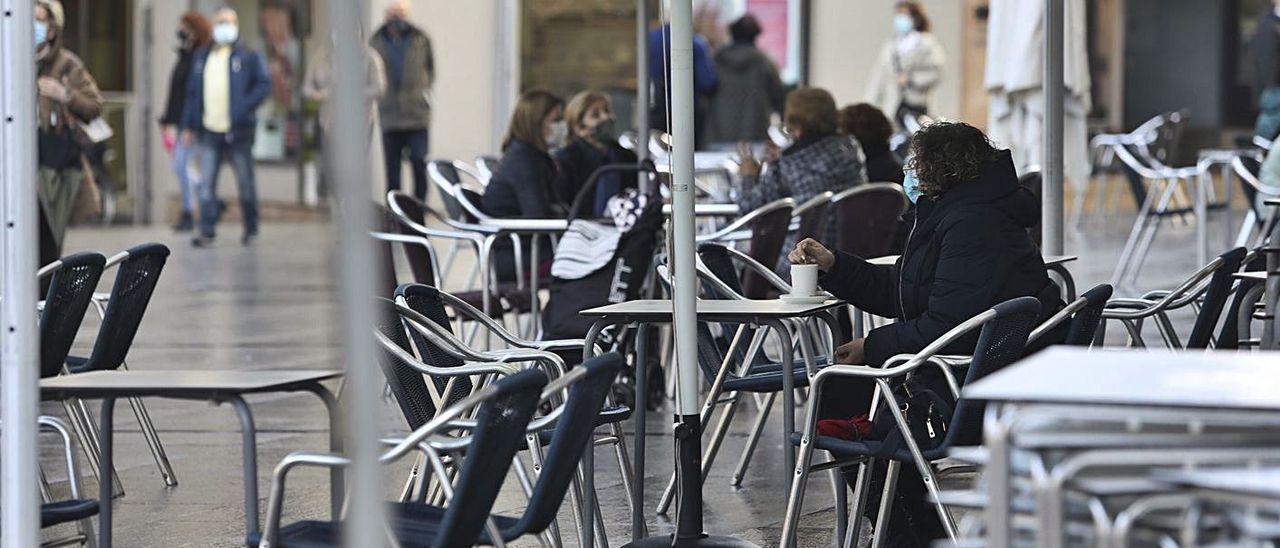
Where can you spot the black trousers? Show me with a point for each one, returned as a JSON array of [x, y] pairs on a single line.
[[396, 144]]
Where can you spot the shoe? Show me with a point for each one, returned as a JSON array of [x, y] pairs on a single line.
[[248, 238], [202, 241], [185, 223]]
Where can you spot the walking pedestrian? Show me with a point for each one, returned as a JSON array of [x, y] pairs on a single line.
[[228, 82], [405, 108], [66, 98], [194, 31]]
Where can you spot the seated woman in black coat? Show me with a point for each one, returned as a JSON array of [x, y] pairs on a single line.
[[521, 186], [873, 130], [592, 144], [968, 250]]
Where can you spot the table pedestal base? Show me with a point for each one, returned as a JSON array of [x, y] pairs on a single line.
[[689, 533]]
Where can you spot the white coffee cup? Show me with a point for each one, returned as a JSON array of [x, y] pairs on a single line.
[[804, 280]]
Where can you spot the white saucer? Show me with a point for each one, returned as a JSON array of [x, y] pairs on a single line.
[[811, 299]]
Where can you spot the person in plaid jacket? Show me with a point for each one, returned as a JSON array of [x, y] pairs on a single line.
[[819, 159]]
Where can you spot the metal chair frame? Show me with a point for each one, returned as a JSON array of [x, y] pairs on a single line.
[[84, 419], [1157, 304], [85, 528], [740, 228], [897, 367]]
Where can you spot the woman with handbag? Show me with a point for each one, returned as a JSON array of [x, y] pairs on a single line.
[[67, 98]]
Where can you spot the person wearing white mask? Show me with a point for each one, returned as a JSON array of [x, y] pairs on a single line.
[[521, 187], [66, 96], [909, 67], [226, 85]]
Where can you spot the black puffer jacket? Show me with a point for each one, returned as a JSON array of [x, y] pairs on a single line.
[[521, 187], [969, 250]]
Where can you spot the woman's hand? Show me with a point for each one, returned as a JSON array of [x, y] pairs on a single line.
[[748, 166], [809, 251], [852, 352], [53, 89]]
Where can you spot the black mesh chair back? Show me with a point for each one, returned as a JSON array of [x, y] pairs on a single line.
[[70, 292], [136, 279], [499, 433], [717, 260], [1215, 299], [426, 300], [420, 264], [867, 220], [568, 443], [475, 199], [1084, 324], [451, 181], [407, 384], [768, 232], [814, 222], [413, 208], [1001, 342]]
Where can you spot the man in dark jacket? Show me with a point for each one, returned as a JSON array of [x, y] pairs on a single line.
[[405, 108], [750, 89], [227, 84]]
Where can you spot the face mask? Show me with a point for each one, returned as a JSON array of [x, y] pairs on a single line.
[[902, 24], [556, 134], [604, 131], [225, 33], [41, 32], [182, 36], [911, 185]]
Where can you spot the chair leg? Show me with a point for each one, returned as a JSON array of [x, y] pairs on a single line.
[[406, 493], [1139, 225], [153, 440], [881, 531], [624, 462], [931, 483], [795, 502], [861, 485], [87, 431], [752, 440], [842, 502], [709, 454]]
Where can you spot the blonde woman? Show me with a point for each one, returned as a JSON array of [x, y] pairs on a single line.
[[592, 144]]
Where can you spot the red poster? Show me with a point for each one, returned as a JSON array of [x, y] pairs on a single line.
[[772, 15]]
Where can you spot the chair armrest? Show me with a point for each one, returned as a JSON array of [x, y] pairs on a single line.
[[471, 313], [275, 502], [449, 343], [53, 424]]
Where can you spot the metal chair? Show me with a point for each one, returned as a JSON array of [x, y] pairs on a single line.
[[76, 508], [1259, 219], [867, 217], [486, 166], [74, 279], [506, 407], [137, 272], [765, 229], [457, 198], [1004, 331], [1208, 288], [431, 304]]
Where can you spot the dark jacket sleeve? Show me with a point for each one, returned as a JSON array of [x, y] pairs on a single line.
[[260, 86], [530, 184], [568, 181], [190, 119], [870, 288], [705, 80], [964, 285], [177, 91]]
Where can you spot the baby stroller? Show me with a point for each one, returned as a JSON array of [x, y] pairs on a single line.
[[604, 261]]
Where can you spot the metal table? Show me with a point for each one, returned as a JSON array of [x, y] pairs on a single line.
[[531, 227], [759, 313], [216, 386], [1070, 376]]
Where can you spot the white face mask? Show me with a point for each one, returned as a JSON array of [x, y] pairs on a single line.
[[225, 33], [556, 134]]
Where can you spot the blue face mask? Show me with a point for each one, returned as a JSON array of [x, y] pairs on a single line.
[[903, 23], [41, 32], [911, 185], [225, 33]]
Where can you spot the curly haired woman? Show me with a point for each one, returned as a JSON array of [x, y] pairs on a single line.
[[968, 250]]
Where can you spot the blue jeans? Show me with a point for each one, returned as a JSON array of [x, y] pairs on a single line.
[[212, 148], [181, 165]]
